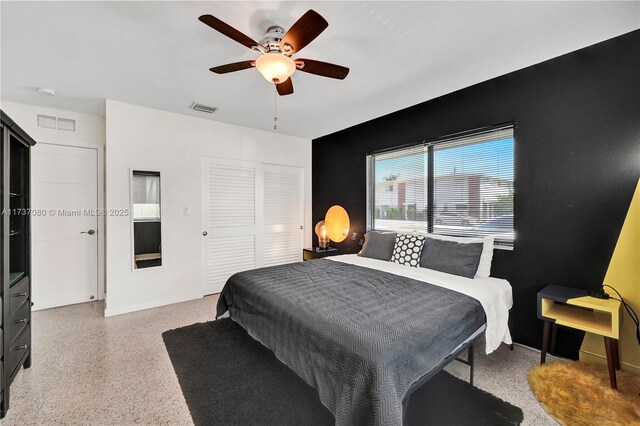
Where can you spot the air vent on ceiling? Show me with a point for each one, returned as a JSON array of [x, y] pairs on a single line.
[[203, 108], [50, 122]]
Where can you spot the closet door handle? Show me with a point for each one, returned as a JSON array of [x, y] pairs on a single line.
[[20, 348], [23, 294], [20, 321]]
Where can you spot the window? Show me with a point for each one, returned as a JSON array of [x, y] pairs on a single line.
[[404, 171], [459, 186]]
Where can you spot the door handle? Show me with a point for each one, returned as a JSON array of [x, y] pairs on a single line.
[[205, 233], [90, 232]]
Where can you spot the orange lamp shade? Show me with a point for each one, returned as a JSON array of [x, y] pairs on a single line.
[[337, 223]]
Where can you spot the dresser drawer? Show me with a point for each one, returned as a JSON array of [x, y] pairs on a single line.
[[17, 350], [17, 321], [18, 295]]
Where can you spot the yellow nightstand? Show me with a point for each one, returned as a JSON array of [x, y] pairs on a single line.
[[573, 307]]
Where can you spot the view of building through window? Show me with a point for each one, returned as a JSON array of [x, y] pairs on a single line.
[[472, 187]]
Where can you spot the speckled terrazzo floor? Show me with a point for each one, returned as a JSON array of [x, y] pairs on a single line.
[[92, 370]]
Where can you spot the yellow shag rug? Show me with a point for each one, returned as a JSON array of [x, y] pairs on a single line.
[[576, 393]]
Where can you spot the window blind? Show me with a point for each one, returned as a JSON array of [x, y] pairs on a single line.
[[400, 193], [473, 186], [470, 182]]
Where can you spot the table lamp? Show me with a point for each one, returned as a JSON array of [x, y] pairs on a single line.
[[323, 237]]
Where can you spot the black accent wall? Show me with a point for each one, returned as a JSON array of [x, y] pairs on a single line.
[[577, 162]]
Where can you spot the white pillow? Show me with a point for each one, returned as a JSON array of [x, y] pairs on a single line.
[[484, 267]]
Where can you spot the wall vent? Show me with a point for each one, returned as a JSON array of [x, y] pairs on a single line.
[[47, 121], [203, 108], [50, 122], [66, 124]]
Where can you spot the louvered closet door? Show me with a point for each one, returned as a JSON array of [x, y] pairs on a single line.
[[231, 200], [283, 214]]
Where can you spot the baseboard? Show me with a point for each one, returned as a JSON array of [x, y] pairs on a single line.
[[119, 310], [595, 358], [532, 349], [585, 356]]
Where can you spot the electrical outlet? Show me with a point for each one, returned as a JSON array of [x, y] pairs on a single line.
[[353, 236], [187, 210], [361, 242]]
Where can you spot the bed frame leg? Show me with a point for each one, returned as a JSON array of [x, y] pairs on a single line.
[[471, 359]]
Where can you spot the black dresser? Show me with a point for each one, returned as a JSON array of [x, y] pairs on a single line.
[[15, 293]]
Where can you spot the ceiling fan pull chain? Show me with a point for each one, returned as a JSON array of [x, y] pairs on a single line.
[[275, 108]]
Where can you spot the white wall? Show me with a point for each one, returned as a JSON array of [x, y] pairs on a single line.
[[147, 139], [90, 133], [90, 129]]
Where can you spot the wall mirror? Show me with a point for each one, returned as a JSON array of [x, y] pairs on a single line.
[[146, 219]]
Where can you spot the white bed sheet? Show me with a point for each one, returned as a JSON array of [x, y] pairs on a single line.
[[494, 294]]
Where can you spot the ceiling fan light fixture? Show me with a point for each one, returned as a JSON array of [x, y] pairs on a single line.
[[276, 47], [275, 67]]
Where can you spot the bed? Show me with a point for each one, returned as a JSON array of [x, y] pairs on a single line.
[[365, 332]]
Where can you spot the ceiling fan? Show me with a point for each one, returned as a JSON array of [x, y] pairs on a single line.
[[276, 48]]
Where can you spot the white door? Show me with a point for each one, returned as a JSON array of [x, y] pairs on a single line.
[[64, 240], [230, 220], [283, 214], [252, 217]]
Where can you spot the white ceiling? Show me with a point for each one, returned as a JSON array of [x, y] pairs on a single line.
[[157, 54]]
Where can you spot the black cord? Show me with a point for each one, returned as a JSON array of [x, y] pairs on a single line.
[[629, 309]]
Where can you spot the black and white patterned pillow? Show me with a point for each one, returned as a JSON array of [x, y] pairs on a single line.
[[408, 249]]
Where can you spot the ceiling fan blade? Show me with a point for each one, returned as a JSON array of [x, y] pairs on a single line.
[[236, 66], [324, 69], [303, 32], [228, 30], [285, 88]]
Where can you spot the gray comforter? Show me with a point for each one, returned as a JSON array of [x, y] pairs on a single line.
[[361, 337]]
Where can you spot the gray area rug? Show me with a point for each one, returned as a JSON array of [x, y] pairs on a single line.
[[228, 378]]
